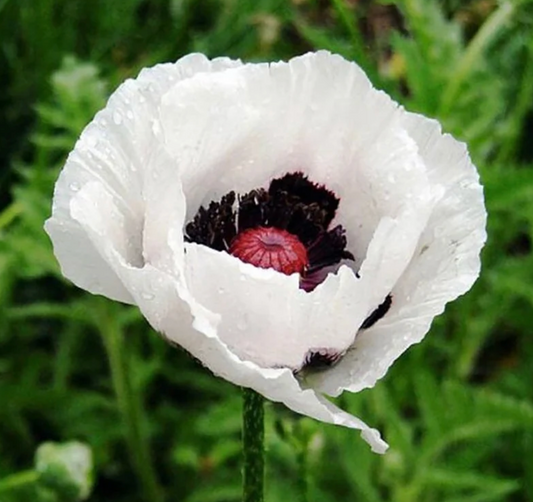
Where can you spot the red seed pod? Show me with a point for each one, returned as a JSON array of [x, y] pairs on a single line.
[[269, 247]]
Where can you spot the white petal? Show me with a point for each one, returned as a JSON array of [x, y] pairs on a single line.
[[265, 317], [394, 243], [171, 310], [82, 263], [445, 264], [118, 150]]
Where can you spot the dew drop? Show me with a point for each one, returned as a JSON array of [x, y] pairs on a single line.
[[94, 286], [129, 114], [74, 186], [117, 117], [147, 296], [91, 141]]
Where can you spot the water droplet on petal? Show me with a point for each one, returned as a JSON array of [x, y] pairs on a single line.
[[117, 117], [94, 286], [129, 114], [74, 186], [91, 141], [147, 296]]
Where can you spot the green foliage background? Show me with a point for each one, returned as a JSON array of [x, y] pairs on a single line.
[[456, 409]]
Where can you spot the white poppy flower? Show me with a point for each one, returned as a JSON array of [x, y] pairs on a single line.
[[289, 225]]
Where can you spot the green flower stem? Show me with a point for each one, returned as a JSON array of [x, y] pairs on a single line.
[[253, 435], [18, 480], [130, 406]]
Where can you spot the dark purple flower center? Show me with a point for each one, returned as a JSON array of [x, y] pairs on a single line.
[[292, 206]]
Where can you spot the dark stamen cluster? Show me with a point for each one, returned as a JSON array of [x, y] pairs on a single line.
[[321, 359], [214, 227], [291, 203], [378, 313]]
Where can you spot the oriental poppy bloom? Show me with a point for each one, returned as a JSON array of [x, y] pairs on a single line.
[[289, 225]]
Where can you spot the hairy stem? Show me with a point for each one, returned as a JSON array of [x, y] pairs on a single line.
[[253, 434]]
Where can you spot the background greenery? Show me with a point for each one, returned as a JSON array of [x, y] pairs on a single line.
[[457, 409]]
